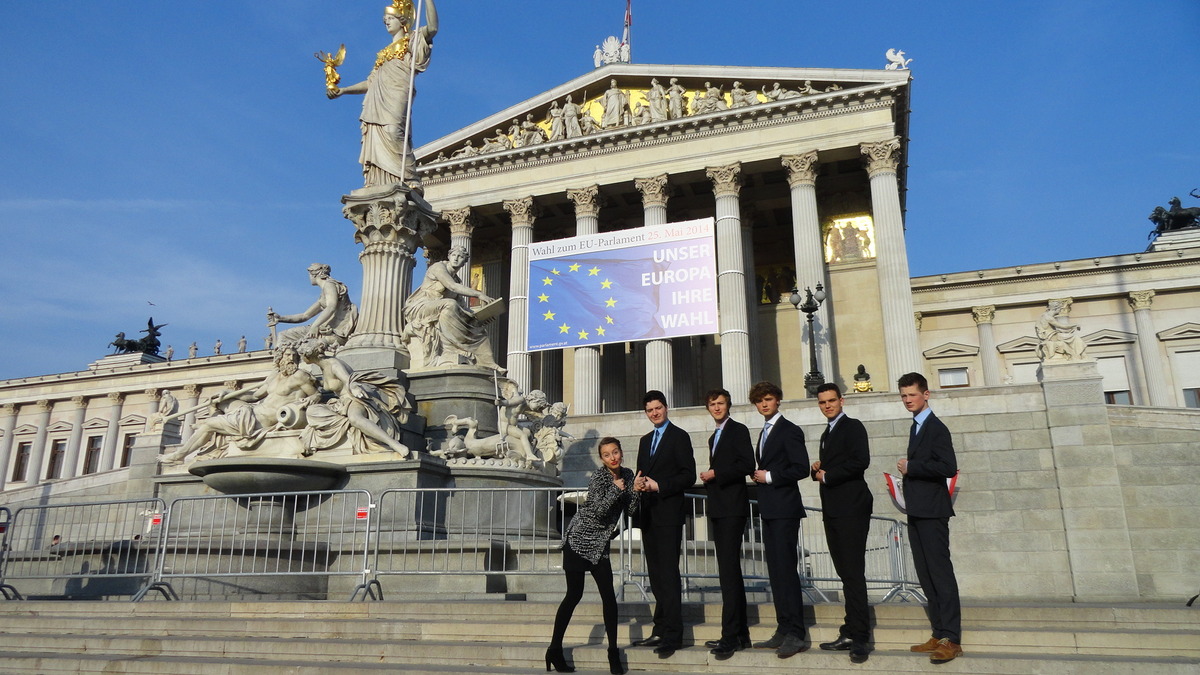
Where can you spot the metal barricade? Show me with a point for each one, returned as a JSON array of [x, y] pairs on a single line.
[[289, 545], [887, 557], [89, 550], [470, 531]]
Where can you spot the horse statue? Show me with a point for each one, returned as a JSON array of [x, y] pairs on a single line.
[[1175, 218]]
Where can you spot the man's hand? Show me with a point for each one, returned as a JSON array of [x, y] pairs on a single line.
[[760, 476], [708, 475], [902, 465]]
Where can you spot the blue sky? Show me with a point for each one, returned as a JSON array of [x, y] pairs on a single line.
[[185, 155]]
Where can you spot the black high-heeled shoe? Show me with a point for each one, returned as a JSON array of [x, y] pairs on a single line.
[[614, 661], [556, 661]]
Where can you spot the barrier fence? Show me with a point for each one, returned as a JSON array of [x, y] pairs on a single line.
[[314, 545]]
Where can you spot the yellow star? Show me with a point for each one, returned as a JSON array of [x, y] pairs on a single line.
[[610, 303], [583, 335], [555, 272], [606, 284], [600, 331], [543, 298], [594, 271], [564, 328], [608, 319], [547, 281], [548, 316], [574, 267]]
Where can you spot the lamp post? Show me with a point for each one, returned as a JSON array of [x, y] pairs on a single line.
[[811, 303]]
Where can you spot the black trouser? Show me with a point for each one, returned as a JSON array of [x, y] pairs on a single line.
[[847, 539], [781, 537], [930, 542], [727, 539], [602, 573], [661, 544]]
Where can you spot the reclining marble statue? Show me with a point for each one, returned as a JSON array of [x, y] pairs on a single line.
[[247, 415], [386, 155], [438, 329], [335, 315]]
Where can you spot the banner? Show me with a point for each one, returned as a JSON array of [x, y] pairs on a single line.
[[639, 284]]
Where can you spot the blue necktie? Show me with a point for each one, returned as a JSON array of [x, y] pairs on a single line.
[[716, 439], [762, 439], [654, 441]]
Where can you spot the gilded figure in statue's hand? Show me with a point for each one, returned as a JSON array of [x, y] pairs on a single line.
[[387, 156]]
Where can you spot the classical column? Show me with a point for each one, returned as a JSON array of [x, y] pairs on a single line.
[[33, 473], [660, 369], [462, 226], [108, 455], [731, 281], [809, 252], [984, 315], [390, 225], [523, 212], [75, 443], [191, 392], [8, 422], [751, 297], [1152, 363], [891, 260], [587, 203]]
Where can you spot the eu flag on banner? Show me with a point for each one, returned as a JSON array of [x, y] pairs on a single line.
[[623, 291]]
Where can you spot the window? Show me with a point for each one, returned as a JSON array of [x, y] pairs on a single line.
[[1191, 397], [91, 454], [127, 448], [952, 377], [58, 455], [1118, 397], [21, 461]]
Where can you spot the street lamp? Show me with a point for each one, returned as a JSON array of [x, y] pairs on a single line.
[[810, 305]]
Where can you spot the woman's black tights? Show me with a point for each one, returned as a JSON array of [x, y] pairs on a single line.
[[602, 573]]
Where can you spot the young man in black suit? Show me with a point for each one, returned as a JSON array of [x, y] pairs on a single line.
[[846, 511], [665, 469], [929, 463], [731, 460], [782, 461]]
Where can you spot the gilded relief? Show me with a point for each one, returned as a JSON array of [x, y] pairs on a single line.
[[849, 239]]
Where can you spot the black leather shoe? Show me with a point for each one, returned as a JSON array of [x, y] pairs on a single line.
[[666, 651], [859, 652], [652, 641], [773, 643], [841, 644], [724, 650], [791, 646], [713, 644]]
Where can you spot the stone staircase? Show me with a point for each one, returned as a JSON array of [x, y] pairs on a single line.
[[437, 635]]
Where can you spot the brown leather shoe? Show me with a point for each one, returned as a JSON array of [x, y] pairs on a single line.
[[946, 651], [929, 645]]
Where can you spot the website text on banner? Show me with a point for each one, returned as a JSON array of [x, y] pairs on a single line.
[[639, 284]]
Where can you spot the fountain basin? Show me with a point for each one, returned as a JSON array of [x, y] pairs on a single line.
[[246, 475]]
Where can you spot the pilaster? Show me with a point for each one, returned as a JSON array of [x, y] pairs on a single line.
[[8, 422], [731, 281], [1152, 361], [33, 472], [108, 455], [75, 442]]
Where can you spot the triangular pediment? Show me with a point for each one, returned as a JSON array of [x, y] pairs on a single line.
[[800, 89], [951, 349], [1025, 343], [1109, 337], [95, 423], [59, 427], [131, 420], [25, 429], [1184, 331]]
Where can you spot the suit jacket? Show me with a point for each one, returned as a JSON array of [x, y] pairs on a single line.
[[930, 462], [673, 467], [732, 460], [785, 456], [845, 457]]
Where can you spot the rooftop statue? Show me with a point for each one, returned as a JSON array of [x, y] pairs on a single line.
[[438, 329], [335, 314], [1059, 340], [387, 155], [283, 395], [1175, 218], [778, 93], [896, 60], [146, 345]]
